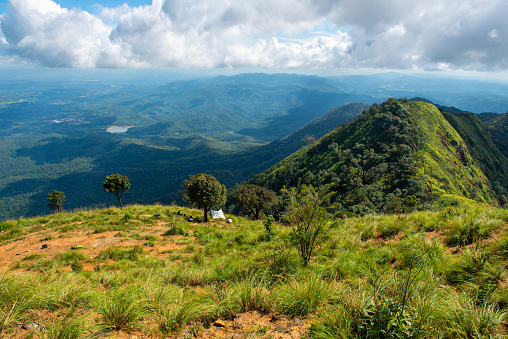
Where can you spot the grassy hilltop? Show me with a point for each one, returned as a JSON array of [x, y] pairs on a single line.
[[146, 272]]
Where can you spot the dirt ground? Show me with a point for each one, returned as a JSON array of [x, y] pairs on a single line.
[[92, 244]]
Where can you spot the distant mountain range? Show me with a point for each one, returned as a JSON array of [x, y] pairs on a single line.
[[53, 134]]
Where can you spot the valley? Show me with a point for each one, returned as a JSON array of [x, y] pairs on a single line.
[[54, 129]]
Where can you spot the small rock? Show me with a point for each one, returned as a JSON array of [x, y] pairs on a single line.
[[219, 323], [296, 322], [275, 317], [32, 325], [281, 329]]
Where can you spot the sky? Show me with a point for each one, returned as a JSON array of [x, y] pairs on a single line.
[[321, 35]]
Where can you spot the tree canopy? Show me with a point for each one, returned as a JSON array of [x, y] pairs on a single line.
[[56, 199], [254, 198], [117, 184], [206, 192]]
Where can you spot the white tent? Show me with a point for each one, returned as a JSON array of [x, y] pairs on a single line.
[[217, 214]]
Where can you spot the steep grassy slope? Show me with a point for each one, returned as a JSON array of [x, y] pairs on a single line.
[[479, 140], [394, 156], [498, 127]]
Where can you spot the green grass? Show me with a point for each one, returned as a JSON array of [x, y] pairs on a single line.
[[411, 283]]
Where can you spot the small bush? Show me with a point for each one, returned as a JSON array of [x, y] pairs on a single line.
[[175, 230], [76, 266], [69, 257]]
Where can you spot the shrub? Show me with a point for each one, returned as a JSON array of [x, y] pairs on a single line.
[[69, 257], [387, 318], [307, 214], [175, 230]]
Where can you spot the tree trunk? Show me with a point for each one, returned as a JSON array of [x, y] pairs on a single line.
[[205, 217]]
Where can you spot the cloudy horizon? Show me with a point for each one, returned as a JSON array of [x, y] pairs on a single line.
[[435, 35]]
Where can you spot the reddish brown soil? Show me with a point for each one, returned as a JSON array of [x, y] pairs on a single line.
[[92, 244]]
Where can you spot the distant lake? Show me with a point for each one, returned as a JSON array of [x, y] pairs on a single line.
[[118, 129]]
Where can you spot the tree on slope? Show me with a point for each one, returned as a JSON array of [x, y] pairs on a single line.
[[306, 212], [206, 192], [254, 198], [56, 199], [117, 184]]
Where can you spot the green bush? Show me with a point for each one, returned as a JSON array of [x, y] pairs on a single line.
[[69, 257]]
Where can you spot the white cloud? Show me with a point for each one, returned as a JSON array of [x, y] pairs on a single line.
[[435, 34]]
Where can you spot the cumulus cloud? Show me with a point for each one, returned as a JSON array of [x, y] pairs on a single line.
[[400, 34]]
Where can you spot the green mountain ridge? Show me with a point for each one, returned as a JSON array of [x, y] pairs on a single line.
[[396, 156]]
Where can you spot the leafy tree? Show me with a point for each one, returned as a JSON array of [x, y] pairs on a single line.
[[254, 198], [56, 199], [205, 192], [117, 184], [306, 212]]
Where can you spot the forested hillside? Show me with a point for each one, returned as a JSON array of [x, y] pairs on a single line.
[[497, 124], [78, 165], [396, 156]]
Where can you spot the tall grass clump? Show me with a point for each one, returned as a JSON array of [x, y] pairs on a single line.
[[302, 297], [68, 327], [473, 266], [171, 317], [253, 294], [69, 257], [15, 298], [461, 233], [118, 254], [338, 323], [347, 264], [120, 309], [461, 317], [60, 291], [281, 263]]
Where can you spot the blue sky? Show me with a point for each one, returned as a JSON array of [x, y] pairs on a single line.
[[86, 5], [321, 35]]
